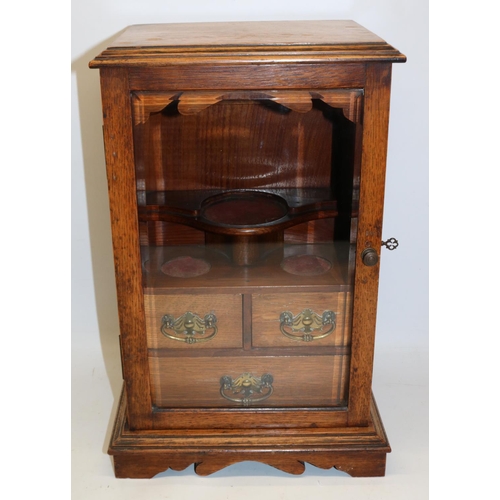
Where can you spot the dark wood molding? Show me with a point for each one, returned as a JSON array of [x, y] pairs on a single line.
[[360, 452]]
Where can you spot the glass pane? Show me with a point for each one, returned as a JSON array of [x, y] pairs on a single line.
[[248, 215]]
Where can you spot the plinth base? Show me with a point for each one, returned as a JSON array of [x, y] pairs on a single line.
[[358, 451]]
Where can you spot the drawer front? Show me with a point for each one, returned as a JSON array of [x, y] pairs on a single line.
[[249, 381], [193, 321], [305, 319]]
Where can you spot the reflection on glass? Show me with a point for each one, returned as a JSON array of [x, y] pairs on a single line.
[[248, 215]]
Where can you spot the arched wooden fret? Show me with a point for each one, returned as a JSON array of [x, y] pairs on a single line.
[[348, 100], [145, 103], [299, 101], [193, 102]]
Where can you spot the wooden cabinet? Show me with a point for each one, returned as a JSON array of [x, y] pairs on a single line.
[[246, 170]]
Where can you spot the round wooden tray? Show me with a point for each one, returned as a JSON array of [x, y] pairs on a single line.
[[243, 209], [305, 265], [185, 267]]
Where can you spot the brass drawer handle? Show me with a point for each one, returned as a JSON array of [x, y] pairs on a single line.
[[300, 327], [189, 327], [249, 388]]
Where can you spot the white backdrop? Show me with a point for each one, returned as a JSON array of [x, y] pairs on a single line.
[[403, 302], [400, 380]]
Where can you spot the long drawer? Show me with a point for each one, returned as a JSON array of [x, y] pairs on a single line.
[[249, 381]]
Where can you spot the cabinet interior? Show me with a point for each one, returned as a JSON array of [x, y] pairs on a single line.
[[251, 196]]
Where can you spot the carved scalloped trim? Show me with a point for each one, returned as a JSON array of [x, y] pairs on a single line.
[[144, 104], [290, 466], [360, 452], [356, 464], [348, 100], [192, 102]]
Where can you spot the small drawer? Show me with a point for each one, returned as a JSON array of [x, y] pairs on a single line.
[[193, 321], [305, 319], [249, 381]]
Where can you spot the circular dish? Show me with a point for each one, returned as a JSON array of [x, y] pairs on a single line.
[[185, 267], [244, 208], [305, 265]]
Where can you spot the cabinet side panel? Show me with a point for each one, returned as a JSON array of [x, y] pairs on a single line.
[[373, 163], [118, 141]]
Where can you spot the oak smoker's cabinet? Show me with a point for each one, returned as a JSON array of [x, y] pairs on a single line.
[[246, 169]]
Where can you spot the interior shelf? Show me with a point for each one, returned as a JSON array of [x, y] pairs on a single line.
[[239, 212], [179, 269]]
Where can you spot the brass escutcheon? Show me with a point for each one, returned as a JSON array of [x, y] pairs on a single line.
[[249, 388], [189, 327], [302, 326], [391, 244]]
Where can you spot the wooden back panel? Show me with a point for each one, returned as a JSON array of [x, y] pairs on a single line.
[[243, 145]]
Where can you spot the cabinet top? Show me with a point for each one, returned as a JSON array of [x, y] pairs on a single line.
[[249, 42]]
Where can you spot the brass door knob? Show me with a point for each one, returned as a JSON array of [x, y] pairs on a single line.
[[369, 257]]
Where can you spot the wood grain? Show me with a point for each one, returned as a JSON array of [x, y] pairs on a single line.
[[267, 308], [195, 101], [279, 419], [306, 381], [225, 277], [117, 129], [286, 34], [227, 309], [234, 145], [316, 231], [371, 204], [359, 451], [162, 233], [201, 109], [182, 77], [255, 42]]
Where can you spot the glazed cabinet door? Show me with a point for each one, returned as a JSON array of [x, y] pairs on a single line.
[[246, 230]]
